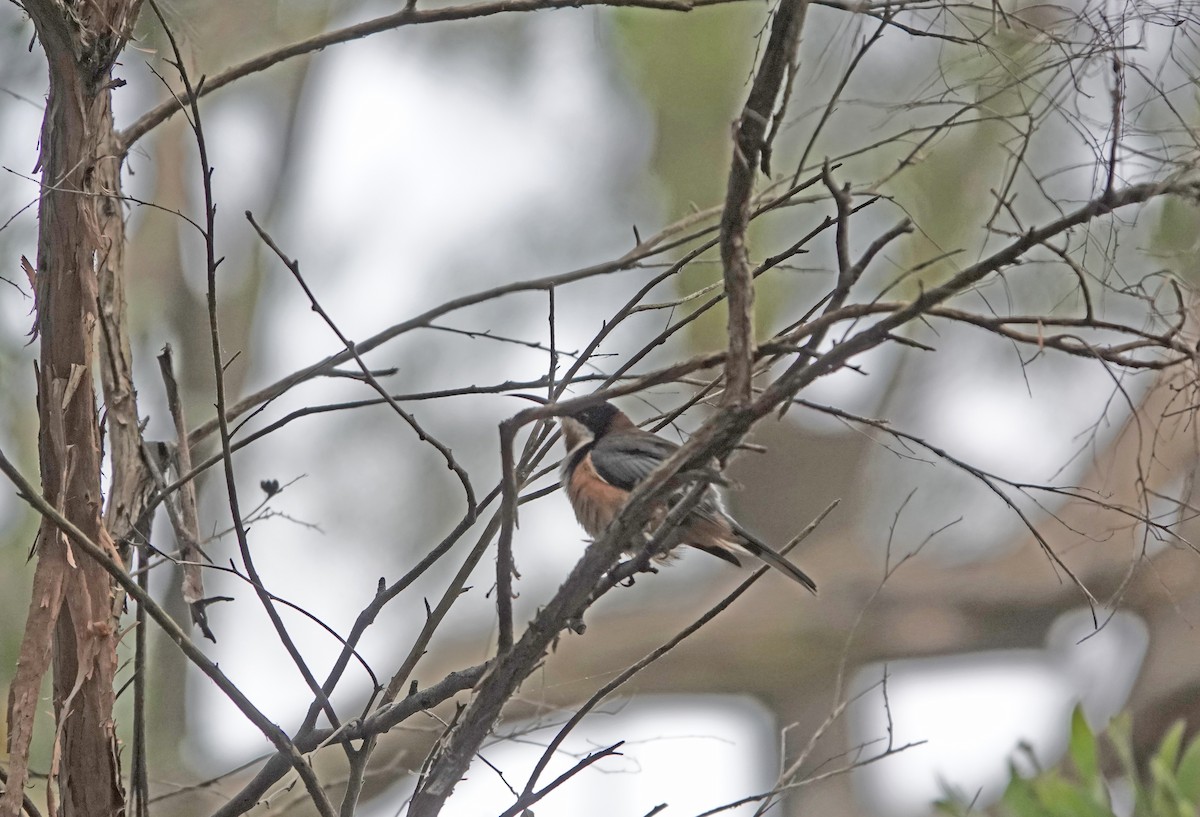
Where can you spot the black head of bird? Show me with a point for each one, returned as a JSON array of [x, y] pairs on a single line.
[[594, 422]]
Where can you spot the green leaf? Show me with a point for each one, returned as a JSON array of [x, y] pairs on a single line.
[[1162, 797], [1120, 737], [1083, 749], [1168, 751], [1187, 775], [1085, 755], [1166, 785], [1019, 798], [1060, 797]]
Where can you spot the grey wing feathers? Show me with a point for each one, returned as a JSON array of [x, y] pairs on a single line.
[[625, 460]]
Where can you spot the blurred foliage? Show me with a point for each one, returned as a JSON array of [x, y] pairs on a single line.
[[1175, 239], [1167, 786], [980, 151], [692, 74]]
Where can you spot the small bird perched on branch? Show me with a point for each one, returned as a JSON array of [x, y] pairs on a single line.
[[607, 456]]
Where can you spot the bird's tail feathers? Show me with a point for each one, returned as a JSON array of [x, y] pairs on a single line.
[[764, 552]]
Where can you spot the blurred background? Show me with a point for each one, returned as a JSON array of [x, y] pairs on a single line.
[[430, 162]]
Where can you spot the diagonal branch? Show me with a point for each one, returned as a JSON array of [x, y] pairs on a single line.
[[169, 626], [410, 16], [451, 463], [405, 17]]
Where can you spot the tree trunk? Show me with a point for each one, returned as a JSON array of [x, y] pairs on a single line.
[[73, 612]]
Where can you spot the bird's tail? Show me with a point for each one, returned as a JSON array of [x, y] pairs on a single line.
[[756, 547]]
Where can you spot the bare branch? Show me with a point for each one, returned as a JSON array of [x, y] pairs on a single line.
[[187, 521], [625, 676], [320, 799], [176, 633], [451, 463], [406, 17], [529, 799], [749, 145]]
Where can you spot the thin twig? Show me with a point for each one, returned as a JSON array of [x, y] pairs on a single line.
[[288, 752], [531, 798], [139, 774], [627, 674], [381, 721], [451, 463], [311, 782], [508, 522], [831, 105]]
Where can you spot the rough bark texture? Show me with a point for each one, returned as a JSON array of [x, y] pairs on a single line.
[[126, 505], [749, 148], [71, 623]]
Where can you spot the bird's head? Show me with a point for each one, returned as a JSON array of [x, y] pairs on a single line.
[[598, 419], [592, 423], [589, 423]]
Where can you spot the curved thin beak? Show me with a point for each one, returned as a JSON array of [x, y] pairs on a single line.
[[532, 397]]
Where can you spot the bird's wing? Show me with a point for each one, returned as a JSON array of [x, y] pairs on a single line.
[[624, 460]]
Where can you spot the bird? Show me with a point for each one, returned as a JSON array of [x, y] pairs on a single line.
[[608, 455]]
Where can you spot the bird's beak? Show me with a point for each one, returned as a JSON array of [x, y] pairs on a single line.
[[532, 397]]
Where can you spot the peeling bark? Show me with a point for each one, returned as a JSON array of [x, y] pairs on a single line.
[[71, 624], [132, 485]]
